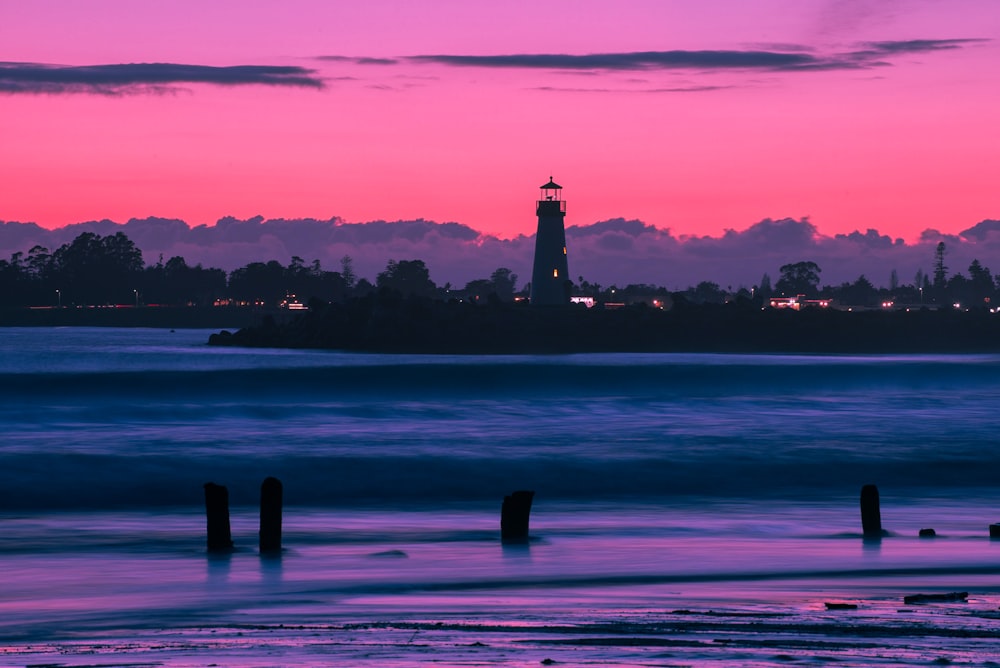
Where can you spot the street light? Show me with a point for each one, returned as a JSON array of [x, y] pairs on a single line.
[[58, 298], [136, 298]]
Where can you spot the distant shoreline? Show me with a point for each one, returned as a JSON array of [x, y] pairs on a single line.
[[390, 324], [169, 317]]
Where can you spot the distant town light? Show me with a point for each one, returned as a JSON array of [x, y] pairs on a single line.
[[797, 303], [292, 303]]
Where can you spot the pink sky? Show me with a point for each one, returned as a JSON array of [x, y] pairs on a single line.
[[887, 121]]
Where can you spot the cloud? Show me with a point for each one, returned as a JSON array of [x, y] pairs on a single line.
[[632, 228], [790, 59], [616, 251], [641, 60], [677, 89], [922, 45], [873, 54], [987, 230], [870, 239], [136, 78], [359, 60]]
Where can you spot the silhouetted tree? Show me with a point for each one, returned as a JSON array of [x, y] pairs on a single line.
[[409, 277], [957, 290], [479, 289], [980, 284], [705, 292], [800, 278], [177, 283], [940, 270], [859, 293], [504, 283], [97, 270], [347, 271], [259, 281], [11, 283], [764, 290]]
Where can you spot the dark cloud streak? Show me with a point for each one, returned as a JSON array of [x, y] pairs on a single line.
[[679, 89], [363, 60], [922, 45], [871, 54], [134, 78], [641, 60]]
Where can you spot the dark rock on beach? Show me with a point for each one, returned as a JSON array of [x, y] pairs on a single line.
[[951, 597]]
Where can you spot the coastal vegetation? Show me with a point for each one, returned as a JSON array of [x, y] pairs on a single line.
[[107, 270]]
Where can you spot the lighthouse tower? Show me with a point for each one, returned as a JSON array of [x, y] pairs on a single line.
[[550, 283]]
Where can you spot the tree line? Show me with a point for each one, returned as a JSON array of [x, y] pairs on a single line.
[[96, 270]]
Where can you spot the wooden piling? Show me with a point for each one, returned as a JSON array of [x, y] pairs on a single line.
[[270, 516], [514, 516], [871, 514], [217, 512]]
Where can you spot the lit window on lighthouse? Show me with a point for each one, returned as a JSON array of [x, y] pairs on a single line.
[[564, 250], [555, 273]]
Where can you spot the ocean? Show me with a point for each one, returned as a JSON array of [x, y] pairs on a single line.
[[690, 509]]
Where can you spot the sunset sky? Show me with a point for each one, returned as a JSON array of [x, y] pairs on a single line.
[[693, 117]]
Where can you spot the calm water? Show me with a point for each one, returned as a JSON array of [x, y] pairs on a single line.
[[679, 499]]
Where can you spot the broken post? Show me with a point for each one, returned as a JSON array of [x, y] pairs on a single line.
[[871, 515], [217, 511], [514, 516], [270, 516]]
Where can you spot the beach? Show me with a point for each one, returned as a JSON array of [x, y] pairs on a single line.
[[689, 509]]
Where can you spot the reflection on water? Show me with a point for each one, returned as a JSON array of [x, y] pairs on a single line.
[[683, 569]]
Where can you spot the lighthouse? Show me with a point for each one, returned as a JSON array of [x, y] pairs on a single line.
[[550, 283]]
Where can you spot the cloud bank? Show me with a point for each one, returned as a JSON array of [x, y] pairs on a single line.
[[616, 251], [133, 78]]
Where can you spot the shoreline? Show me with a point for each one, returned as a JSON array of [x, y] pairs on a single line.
[[163, 317], [390, 324]]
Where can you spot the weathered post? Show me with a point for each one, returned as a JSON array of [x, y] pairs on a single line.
[[270, 516], [871, 514], [217, 511], [994, 531], [514, 515]]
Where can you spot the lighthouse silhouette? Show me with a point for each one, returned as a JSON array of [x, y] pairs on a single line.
[[550, 284]]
